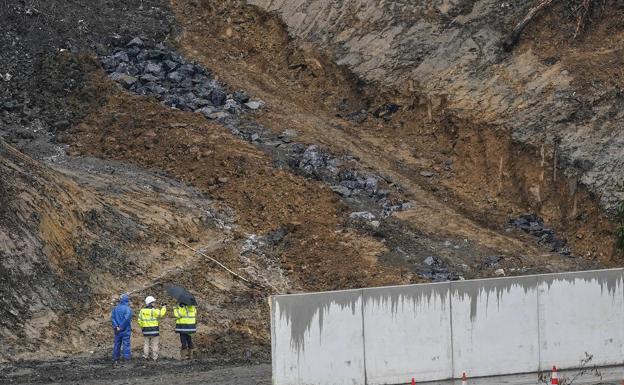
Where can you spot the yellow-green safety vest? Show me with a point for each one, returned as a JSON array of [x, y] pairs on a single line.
[[149, 320], [185, 319]]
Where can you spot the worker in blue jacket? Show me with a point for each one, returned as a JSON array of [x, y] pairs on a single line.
[[121, 318]]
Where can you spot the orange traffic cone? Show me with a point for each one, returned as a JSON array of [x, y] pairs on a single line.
[[464, 379], [554, 379]]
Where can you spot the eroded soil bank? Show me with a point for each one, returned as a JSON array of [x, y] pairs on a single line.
[[334, 182]]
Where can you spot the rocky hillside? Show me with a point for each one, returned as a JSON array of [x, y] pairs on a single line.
[[322, 146], [553, 91]]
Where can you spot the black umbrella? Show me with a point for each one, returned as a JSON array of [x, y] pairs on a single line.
[[182, 295]]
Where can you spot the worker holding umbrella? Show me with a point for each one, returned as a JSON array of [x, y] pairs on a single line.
[[186, 319]]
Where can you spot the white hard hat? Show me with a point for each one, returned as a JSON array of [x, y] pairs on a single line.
[[149, 299]]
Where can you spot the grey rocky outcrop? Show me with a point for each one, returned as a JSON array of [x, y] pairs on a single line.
[[451, 51]]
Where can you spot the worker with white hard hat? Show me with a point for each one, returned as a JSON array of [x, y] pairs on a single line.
[[149, 321]]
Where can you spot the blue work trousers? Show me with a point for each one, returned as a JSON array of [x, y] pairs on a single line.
[[122, 339]]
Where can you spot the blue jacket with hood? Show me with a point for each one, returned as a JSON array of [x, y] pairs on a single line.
[[122, 315]]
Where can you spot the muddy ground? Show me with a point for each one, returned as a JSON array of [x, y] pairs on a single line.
[[99, 371], [329, 185]]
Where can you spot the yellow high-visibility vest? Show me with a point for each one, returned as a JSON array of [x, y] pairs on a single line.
[[149, 320], [185, 319]]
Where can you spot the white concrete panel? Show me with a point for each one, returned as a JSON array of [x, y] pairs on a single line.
[[494, 326], [579, 313], [318, 339], [407, 333]]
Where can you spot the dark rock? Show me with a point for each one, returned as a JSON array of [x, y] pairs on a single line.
[[175, 77], [142, 56], [202, 102], [149, 78], [206, 111], [156, 54], [276, 236], [312, 158], [363, 215], [203, 92], [110, 63], [358, 116], [136, 42], [371, 184], [218, 97], [187, 70], [123, 79], [134, 51], [156, 89], [153, 68], [170, 65], [382, 194], [232, 106], [186, 83], [341, 190], [241, 97], [348, 175], [122, 56], [125, 68], [350, 184]]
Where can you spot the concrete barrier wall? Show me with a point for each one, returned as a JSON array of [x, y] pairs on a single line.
[[437, 331], [417, 338], [581, 313], [318, 338], [495, 326]]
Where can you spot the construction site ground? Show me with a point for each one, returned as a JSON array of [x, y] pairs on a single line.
[[96, 372], [103, 190]]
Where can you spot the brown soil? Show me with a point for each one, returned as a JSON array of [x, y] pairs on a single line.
[[249, 49], [595, 57], [319, 253], [467, 202]]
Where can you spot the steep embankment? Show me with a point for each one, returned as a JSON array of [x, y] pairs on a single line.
[[553, 91], [538, 127], [75, 236], [342, 179]]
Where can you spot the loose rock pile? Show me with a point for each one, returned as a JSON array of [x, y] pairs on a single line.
[[534, 225], [439, 270], [347, 182], [362, 190], [164, 74]]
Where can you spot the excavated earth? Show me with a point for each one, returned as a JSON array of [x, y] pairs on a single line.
[[312, 145]]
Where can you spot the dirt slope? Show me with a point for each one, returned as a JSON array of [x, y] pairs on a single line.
[[337, 182], [554, 91]]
